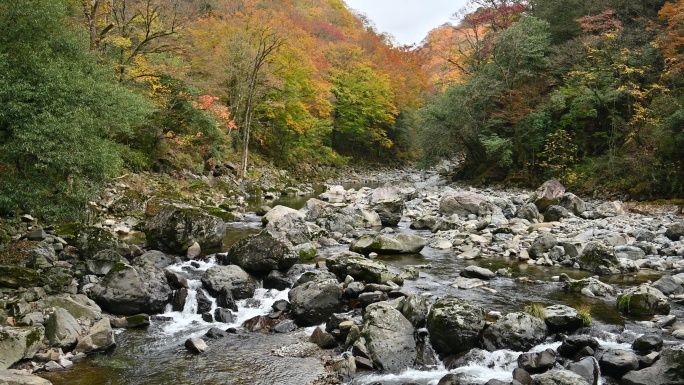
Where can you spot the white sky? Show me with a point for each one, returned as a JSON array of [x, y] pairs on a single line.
[[409, 21]]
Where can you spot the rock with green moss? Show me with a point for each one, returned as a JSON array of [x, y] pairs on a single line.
[[643, 300], [261, 253], [99, 338], [389, 337], [361, 268], [58, 280], [20, 343], [515, 331], [590, 287], [177, 226], [130, 203], [131, 322], [78, 305], [103, 261], [91, 240], [598, 258], [15, 277], [385, 244], [454, 325]]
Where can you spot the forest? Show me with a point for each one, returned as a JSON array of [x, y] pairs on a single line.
[[518, 91]]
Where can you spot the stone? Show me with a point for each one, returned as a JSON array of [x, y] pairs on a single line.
[[549, 193], [19, 343], [454, 325], [178, 226], [103, 261], [616, 362], [389, 337], [643, 300], [668, 369], [261, 253], [515, 331], [461, 203], [555, 213], [668, 285], [17, 377], [196, 345], [562, 318], [286, 326], [288, 221], [99, 338], [233, 278], [537, 362], [361, 268], [573, 203], [530, 212], [648, 342], [610, 209], [542, 244], [477, 272], [415, 308], [193, 251], [204, 303], [366, 299], [14, 277], [522, 376], [675, 231], [216, 333], [223, 315], [314, 301], [598, 258], [385, 244], [175, 280], [573, 344], [78, 305], [559, 377], [62, 329], [226, 300], [388, 202], [131, 322], [323, 339], [591, 285], [587, 368]]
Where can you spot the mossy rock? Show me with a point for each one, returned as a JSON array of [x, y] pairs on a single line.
[[58, 279], [220, 213], [642, 301], [130, 203], [15, 277]]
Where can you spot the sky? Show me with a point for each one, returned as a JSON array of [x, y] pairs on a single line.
[[409, 21]]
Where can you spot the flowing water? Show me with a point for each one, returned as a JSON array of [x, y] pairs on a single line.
[[156, 355]]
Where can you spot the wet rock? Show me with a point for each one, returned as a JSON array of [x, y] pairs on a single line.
[[216, 333], [223, 315], [669, 285], [225, 299], [99, 338], [461, 203], [366, 299], [522, 376], [361, 268], [559, 377], [103, 261], [323, 339], [346, 368], [175, 280], [415, 309], [537, 362], [643, 300], [62, 329], [261, 253], [591, 286], [178, 226], [477, 272], [616, 363], [134, 321], [648, 343], [384, 244], [598, 258], [675, 231], [196, 345], [454, 325], [424, 223], [572, 345], [19, 343], [204, 303], [286, 326], [468, 283], [193, 251], [562, 318], [17, 377], [233, 278], [314, 301], [669, 369], [515, 331], [389, 337], [587, 368], [281, 305]]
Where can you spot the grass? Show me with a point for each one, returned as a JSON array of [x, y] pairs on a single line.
[[584, 311], [536, 310]]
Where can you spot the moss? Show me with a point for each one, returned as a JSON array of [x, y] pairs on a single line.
[[536, 310], [119, 266], [17, 276], [138, 320], [34, 336], [584, 312], [220, 213], [68, 230]]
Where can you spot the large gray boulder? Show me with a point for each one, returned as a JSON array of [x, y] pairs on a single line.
[[573, 203], [562, 318], [529, 212], [454, 325], [360, 268], [262, 253], [548, 194], [313, 302], [643, 300], [350, 218], [17, 344], [386, 244], [669, 369], [542, 244], [591, 287], [388, 202], [669, 285], [178, 226], [559, 377], [103, 261], [616, 363], [62, 329], [389, 337], [90, 240], [598, 258], [675, 231], [315, 208], [233, 278], [130, 290], [415, 308], [515, 331], [17, 377], [588, 368], [461, 203], [288, 221], [78, 305], [99, 338]]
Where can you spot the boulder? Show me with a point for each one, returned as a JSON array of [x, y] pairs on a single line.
[[616, 362], [562, 318], [350, 218], [589, 286], [231, 277], [587, 368], [99, 338], [598, 258], [196, 345], [14, 277], [515, 331], [461, 203], [530, 212], [281, 219], [675, 231], [559, 377], [537, 362], [178, 226], [610, 209], [424, 223], [103, 261], [361, 268], [389, 337], [477, 272], [555, 213], [323, 339], [261, 253], [573, 203], [62, 329], [548, 194], [575, 343], [131, 322], [130, 290], [388, 203], [90, 240], [17, 377], [223, 315], [78, 305], [542, 244], [669, 369], [648, 343], [454, 325], [17, 344], [629, 252], [314, 209], [669, 285], [156, 258], [643, 300], [415, 308], [385, 244], [314, 301]]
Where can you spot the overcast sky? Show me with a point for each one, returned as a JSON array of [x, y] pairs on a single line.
[[409, 21]]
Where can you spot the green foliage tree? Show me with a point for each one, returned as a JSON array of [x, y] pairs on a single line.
[[59, 114]]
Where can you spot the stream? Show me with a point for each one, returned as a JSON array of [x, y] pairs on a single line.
[[156, 355]]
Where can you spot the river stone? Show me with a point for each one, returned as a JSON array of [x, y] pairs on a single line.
[[385, 244], [90, 240], [19, 343], [669, 285], [537, 362], [542, 244], [360, 268], [461, 203], [315, 208], [277, 280], [389, 337], [176, 280], [130, 290], [424, 223], [223, 315], [574, 344], [598, 258], [415, 308], [592, 285], [562, 318], [555, 213], [231, 277], [130, 322], [548, 194], [14, 277], [178, 226], [573, 203], [323, 339], [196, 345], [454, 325], [388, 203], [610, 209], [78, 305], [100, 338], [62, 329], [629, 252], [156, 258], [477, 272], [17, 377], [314, 301], [261, 253], [588, 368], [530, 212], [643, 300], [350, 218], [616, 362], [292, 223], [103, 261], [204, 303], [648, 343], [668, 369], [559, 377], [515, 331], [178, 299], [675, 231]]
